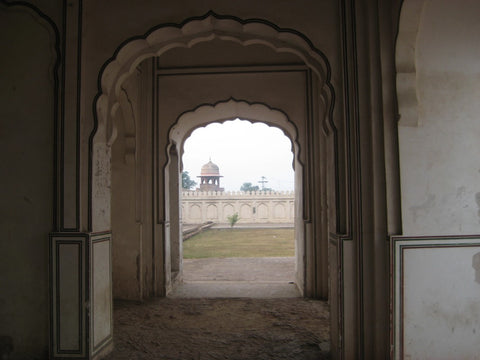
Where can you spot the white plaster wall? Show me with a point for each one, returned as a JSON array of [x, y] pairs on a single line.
[[440, 158], [440, 183], [270, 207], [441, 310], [26, 163], [440, 295]]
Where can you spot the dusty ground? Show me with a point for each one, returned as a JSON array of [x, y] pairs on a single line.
[[197, 329], [262, 269]]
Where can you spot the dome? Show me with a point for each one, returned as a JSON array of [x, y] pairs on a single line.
[[210, 169]]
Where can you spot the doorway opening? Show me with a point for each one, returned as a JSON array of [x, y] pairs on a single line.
[[200, 207], [237, 217], [291, 90]]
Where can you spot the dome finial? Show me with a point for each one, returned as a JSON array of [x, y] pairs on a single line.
[[210, 177]]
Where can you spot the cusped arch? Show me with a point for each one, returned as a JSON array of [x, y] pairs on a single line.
[[229, 110], [202, 29]]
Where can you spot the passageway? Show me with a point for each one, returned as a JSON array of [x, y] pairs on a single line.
[[184, 329], [259, 277]]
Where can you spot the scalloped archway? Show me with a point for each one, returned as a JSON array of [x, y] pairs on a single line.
[[156, 42], [220, 112], [228, 110]]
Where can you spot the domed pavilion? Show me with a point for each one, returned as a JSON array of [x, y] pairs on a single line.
[[210, 177]]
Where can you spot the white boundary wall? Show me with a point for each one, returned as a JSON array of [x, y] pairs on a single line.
[[256, 207]]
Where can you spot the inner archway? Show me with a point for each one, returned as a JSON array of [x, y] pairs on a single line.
[[251, 165], [220, 113]]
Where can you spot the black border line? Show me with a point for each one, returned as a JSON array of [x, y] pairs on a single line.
[[79, 89], [152, 170], [401, 248], [62, 240], [77, 120]]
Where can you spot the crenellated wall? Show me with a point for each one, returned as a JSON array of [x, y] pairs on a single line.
[[256, 207]]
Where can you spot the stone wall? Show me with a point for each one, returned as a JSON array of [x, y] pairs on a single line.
[[258, 207]]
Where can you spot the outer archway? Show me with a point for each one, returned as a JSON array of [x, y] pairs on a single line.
[[312, 120], [163, 38]]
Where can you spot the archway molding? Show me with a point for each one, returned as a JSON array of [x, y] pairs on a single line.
[[232, 109], [159, 40]]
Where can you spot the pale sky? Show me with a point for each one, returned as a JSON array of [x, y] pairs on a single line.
[[244, 152]]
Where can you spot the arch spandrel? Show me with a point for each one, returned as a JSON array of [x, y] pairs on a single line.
[[230, 110], [209, 27]]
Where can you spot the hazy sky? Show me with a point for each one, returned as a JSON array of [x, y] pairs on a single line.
[[244, 152]]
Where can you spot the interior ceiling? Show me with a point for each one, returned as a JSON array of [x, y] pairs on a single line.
[[219, 53]]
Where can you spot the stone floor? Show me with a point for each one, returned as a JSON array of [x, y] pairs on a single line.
[[237, 277], [210, 329], [240, 308]]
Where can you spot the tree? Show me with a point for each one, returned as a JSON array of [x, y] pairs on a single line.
[[187, 183], [249, 187], [232, 219]]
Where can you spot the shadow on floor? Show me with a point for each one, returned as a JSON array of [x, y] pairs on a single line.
[[237, 329]]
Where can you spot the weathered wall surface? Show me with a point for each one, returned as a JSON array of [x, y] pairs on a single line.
[[440, 181], [104, 27], [122, 22], [252, 207], [26, 153], [440, 172], [132, 188]]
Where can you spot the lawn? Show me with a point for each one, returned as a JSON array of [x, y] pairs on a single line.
[[223, 243]]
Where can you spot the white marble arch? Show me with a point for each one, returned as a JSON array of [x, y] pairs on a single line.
[[279, 211], [195, 212], [245, 211], [228, 210], [212, 212], [262, 211]]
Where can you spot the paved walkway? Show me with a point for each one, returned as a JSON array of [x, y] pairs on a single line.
[[237, 277]]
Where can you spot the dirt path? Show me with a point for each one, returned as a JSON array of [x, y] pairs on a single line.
[[184, 329]]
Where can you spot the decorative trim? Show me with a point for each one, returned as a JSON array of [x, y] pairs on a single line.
[[79, 245], [85, 241], [80, 240], [77, 117], [398, 245]]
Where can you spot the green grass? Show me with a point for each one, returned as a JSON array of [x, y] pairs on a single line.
[[223, 243]]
